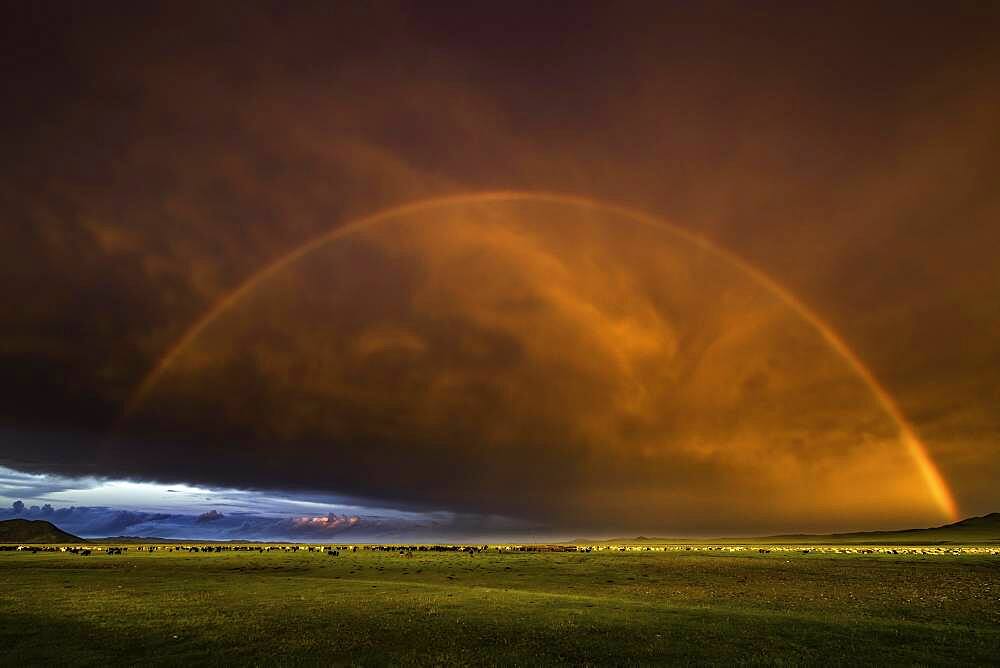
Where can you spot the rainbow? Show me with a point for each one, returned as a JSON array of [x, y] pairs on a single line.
[[936, 484]]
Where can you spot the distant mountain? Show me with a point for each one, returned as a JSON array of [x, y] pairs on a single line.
[[34, 531], [985, 529], [149, 540], [117, 540]]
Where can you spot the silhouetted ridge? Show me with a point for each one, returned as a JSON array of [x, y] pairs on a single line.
[[34, 531], [985, 529]]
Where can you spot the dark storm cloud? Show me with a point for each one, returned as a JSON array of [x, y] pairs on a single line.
[[157, 156]]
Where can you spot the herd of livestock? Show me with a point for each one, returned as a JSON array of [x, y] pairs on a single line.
[[472, 550]]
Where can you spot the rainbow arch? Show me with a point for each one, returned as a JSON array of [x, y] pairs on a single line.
[[932, 477]]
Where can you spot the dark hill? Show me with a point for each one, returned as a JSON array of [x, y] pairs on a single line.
[[985, 529], [34, 531]]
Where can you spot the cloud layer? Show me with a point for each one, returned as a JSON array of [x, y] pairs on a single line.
[[103, 522]]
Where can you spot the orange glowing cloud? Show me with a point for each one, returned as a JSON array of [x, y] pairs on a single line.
[[504, 351]]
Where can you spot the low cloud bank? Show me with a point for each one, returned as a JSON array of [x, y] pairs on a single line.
[[100, 521]]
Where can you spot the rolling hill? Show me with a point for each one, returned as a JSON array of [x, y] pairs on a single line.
[[985, 529], [34, 531]]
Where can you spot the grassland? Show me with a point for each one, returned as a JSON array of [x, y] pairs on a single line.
[[604, 607]]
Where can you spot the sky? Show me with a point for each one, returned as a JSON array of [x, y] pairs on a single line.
[[554, 269], [101, 508]]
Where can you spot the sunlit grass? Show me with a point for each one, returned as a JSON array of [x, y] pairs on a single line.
[[370, 607]]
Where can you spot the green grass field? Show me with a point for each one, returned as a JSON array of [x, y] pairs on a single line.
[[599, 608]]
